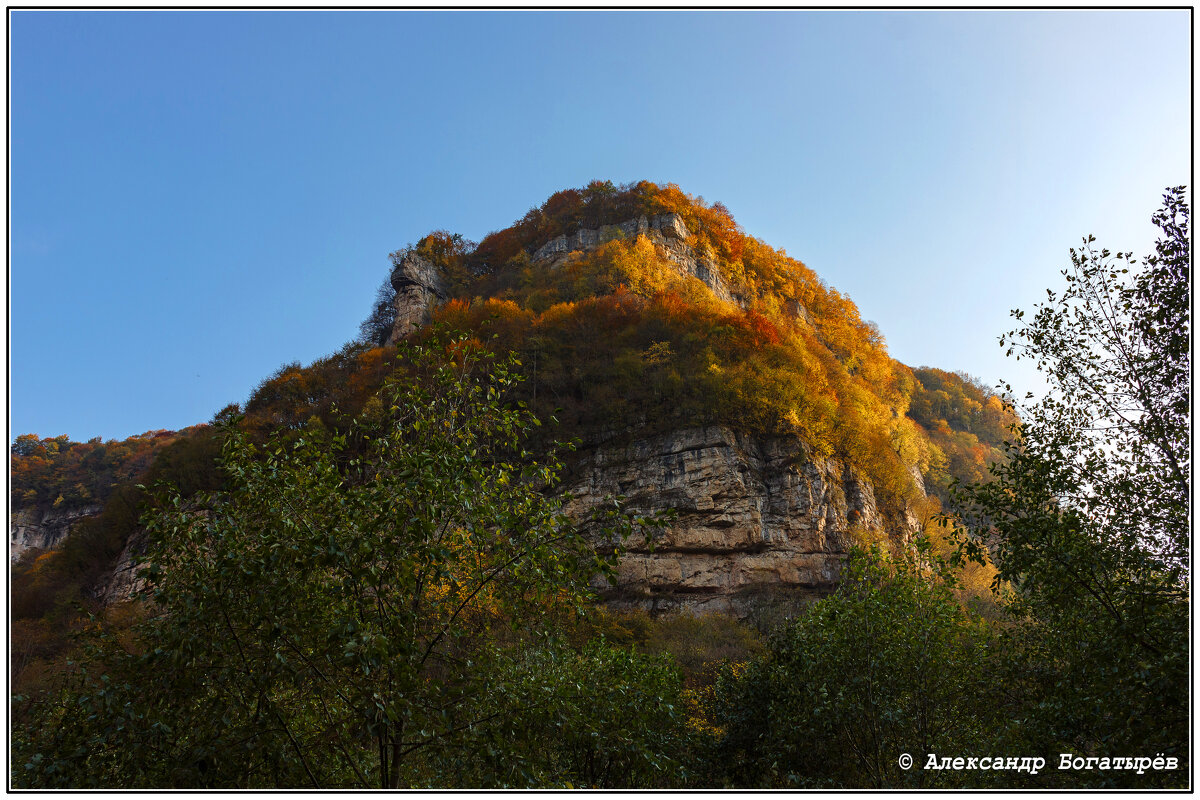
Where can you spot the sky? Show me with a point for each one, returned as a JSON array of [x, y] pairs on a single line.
[[197, 197]]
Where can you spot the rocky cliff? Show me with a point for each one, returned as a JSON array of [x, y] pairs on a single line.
[[31, 528], [754, 515], [419, 290], [124, 580], [666, 231]]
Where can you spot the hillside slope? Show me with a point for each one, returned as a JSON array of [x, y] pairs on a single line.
[[701, 370]]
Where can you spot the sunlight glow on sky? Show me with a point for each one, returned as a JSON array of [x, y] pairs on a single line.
[[197, 197]]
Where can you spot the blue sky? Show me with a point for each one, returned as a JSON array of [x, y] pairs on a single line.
[[200, 196]]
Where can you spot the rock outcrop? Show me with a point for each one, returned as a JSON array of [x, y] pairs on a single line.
[[420, 287], [756, 518], [667, 231], [754, 515], [124, 580], [419, 290], [31, 528]]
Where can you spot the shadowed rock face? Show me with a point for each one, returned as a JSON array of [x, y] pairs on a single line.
[[32, 528], [419, 290], [125, 579], [754, 514]]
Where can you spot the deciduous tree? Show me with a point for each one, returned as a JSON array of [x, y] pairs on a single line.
[[1089, 515]]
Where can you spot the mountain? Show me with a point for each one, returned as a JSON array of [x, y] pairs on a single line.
[[708, 374], [702, 372]]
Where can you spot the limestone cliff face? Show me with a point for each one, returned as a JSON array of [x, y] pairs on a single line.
[[420, 287], [754, 514], [31, 528], [667, 231], [419, 290]]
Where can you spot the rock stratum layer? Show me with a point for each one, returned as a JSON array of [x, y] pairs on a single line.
[[754, 515], [666, 231]]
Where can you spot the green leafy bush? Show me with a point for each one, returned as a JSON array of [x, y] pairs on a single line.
[[888, 664]]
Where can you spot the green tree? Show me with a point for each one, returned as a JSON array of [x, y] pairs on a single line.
[[596, 717], [888, 664], [346, 611], [1088, 517]]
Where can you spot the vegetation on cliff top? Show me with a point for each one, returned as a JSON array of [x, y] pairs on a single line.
[[58, 473]]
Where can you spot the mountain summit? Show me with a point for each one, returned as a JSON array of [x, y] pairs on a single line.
[[708, 374]]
